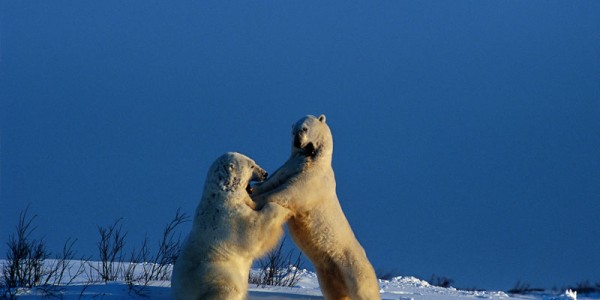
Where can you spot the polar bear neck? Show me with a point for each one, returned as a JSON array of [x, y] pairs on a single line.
[[223, 195], [230, 184], [324, 149]]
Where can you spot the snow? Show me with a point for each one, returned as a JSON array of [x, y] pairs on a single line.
[[399, 288]]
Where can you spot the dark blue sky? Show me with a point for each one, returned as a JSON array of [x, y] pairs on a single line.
[[467, 133]]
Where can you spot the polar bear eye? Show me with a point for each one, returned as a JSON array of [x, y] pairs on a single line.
[[304, 129]]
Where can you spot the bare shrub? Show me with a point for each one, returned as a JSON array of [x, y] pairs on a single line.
[[585, 287], [130, 275], [159, 265], [28, 264], [278, 269], [110, 248], [24, 267], [441, 281], [61, 272], [168, 249], [523, 288]]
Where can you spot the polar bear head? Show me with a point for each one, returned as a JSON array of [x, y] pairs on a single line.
[[233, 172], [311, 137]]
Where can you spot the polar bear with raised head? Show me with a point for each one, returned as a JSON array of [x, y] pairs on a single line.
[[227, 233], [306, 185]]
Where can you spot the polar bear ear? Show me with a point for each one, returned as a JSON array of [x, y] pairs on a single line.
[[322, 118]]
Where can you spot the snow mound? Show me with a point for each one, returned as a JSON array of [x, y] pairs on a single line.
[[412, 288], [407, 280], [84, 286]]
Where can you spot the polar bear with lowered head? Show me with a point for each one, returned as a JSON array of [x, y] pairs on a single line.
[[306, 185], [227, 233]]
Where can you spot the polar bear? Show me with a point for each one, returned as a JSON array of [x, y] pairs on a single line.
[[306, 185], [227, 233]]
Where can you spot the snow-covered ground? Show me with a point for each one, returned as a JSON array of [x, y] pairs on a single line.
[[307, 288]]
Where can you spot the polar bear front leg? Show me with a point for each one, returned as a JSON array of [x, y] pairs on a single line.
[[283, 195], [268, 226], [289, 170], [278, 178]]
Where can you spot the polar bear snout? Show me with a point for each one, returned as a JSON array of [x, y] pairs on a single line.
[[263, 175], [259, 174]]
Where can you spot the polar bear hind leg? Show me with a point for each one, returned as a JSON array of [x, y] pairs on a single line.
[[220, 292], [332, 283]]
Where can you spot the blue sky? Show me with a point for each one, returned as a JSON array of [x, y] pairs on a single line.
[[466, 133]]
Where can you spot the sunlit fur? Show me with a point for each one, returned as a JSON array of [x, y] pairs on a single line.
[[227, 233], [306, 185]]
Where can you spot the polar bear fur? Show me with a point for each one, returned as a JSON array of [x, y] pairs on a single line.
[[306, 185], [227, 233]]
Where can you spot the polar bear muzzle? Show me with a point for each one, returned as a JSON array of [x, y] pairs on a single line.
[[258, 174], [308, 149]]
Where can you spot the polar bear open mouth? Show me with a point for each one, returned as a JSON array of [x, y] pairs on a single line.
[[309, 149], [249, 189]]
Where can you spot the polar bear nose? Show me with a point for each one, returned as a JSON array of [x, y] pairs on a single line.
[[259, 175]]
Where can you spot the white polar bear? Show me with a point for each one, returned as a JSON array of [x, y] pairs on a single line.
[[227, 233], [306, 185]]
